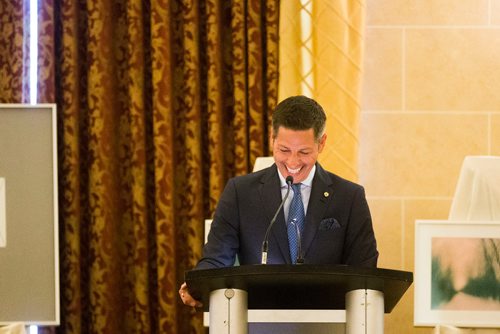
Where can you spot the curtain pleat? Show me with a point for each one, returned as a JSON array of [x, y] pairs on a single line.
[[290, 60], [159, 103], [162, 162], [219, 101], [331, 74], [338, 64]]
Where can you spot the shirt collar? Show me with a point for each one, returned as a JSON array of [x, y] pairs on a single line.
[[306, 182]]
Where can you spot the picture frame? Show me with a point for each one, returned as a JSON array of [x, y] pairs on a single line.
[[29, 215], [3, 227], [457, 273]]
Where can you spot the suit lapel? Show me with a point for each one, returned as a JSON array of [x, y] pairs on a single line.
[[270, 193], [321, 194]]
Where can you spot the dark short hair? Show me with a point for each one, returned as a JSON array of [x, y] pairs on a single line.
[[299, 113]]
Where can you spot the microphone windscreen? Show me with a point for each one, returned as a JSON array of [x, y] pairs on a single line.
[[289, 179]]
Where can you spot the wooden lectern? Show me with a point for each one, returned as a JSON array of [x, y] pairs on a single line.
[[365, 293]]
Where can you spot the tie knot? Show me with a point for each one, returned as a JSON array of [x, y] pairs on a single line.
[[296, 187]]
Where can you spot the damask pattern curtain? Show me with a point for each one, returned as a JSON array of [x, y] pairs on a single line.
[[159, 102], [14, 48]]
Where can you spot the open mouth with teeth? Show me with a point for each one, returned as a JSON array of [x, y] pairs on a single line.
[[293, 171]]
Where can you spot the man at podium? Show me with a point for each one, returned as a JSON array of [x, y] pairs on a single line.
[[294, 211]]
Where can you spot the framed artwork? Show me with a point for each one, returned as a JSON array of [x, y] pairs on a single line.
[[457, 273], [29, 225]]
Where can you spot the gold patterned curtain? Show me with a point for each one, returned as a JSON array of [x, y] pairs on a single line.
[[159, 102], [321, 49], [14, 48]]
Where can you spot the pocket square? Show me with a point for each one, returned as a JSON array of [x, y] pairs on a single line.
[[329, 224]]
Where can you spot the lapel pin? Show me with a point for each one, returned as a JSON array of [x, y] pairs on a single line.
[[326, 194]]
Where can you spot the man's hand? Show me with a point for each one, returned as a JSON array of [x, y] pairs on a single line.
[[187, 299]]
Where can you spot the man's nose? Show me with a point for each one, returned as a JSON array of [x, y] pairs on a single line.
[[294, 158]]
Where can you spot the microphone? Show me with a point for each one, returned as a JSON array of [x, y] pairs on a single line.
[[289, 182]]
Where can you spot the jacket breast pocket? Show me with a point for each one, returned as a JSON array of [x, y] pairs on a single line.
[[329, 224]]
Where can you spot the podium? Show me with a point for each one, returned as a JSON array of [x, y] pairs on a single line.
[[365, 293]]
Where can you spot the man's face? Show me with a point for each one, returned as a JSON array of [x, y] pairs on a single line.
[[296, 152]]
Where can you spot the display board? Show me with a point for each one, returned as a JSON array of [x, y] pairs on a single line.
[[29, 261]]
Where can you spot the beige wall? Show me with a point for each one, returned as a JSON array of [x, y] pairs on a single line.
[[431, 96]]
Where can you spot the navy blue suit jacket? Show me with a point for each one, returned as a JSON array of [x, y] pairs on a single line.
[[338, 228]]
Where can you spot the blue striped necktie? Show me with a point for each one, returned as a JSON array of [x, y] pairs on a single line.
[[295, 225]]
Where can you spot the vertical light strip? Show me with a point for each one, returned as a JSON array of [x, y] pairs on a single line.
[[33, 68], [33, 73], [306, 52], [33, 4]]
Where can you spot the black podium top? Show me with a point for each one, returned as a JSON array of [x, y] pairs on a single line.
[[304, 286]]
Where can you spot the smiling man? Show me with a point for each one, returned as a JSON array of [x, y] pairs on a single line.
[[324, 220]]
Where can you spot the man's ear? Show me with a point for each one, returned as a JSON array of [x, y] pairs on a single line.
[[322, 142]]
